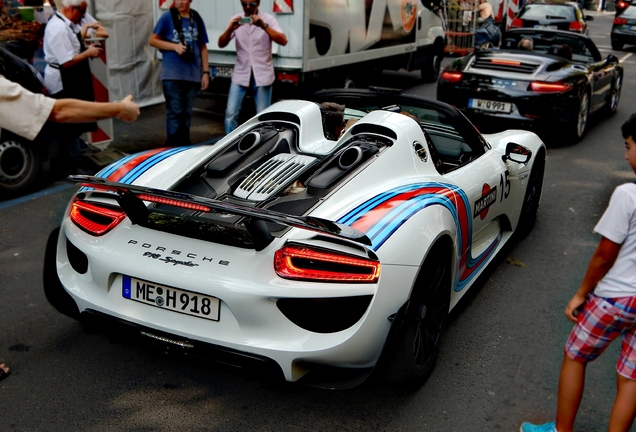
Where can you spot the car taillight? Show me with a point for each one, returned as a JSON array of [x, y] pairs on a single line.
[[451, 77], [621, 5], [288, 77], [311, 264], [95, 219], [576, 26], [620, 21], [546, 87], [517, 22]]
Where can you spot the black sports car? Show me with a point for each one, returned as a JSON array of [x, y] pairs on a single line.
[[624, 29], [558, 84]]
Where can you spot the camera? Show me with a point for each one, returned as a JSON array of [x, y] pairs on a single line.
[[245, 20], [188, 54]]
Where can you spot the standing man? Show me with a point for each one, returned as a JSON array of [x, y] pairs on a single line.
[[68, 74], [181, 36], [254, 33]]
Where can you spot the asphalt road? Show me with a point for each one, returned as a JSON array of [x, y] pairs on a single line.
[[498, 365]]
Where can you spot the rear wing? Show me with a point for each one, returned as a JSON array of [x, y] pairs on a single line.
[[131, 199]]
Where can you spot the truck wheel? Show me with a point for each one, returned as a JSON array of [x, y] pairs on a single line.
[[20, 165], [430, 69]]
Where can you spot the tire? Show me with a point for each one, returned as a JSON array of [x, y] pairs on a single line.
[[576, 130], [348, 82], [20, 165], [614, 95], [420, 337], [431, 69], [532, 197], [617, 46], [53, 289]]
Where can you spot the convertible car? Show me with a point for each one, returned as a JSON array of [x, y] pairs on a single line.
[[316, 251], [557, 85]]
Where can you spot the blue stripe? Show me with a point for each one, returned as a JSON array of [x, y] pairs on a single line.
[[140, 169]]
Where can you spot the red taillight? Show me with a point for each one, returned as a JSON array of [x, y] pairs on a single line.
[[576, 26], [95, 219], [288, 77], [451, 77], [546, 87], [174, 203], [306, 263], [620, 21], [621, 5], [517, 22]]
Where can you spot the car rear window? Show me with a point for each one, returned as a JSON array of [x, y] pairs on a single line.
[[630, 12], [540, 12]]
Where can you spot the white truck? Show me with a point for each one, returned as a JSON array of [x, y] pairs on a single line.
[[332, 43]]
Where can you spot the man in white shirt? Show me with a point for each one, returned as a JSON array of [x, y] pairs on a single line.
[[67, 74]]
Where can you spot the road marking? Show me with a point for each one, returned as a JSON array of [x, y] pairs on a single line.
[[34, 196]]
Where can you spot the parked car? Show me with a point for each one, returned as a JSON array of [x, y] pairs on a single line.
[[552, 15], [624, 29], [286, 245], [557, 85], [23, 162]]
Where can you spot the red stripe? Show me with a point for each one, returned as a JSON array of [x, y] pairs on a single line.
[[101, 92], [131, 164]]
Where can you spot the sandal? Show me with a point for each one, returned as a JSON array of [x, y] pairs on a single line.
[[4, 371]]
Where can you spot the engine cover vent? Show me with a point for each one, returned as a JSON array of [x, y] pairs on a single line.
[[272, 176]]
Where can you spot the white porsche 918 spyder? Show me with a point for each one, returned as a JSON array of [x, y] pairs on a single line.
[[316, 252]]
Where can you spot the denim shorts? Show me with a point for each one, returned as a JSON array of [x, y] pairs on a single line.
[[600, 322]]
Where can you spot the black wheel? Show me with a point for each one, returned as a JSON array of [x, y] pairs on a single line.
[[53, 289], [419, 340], [348, 82], [617, 46], [530, 208], [614, 95], [577, 128], [430, 70], [20, 165]]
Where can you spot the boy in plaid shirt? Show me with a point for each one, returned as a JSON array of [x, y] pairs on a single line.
[[603, 309]]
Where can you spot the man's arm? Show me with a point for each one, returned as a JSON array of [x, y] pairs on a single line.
[[205, 65], [155, 41], [276, 36], [78, 111], [226, 37], [602, 261]]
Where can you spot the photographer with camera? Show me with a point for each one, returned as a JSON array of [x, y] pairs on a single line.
[[181, 36], [254, 33]]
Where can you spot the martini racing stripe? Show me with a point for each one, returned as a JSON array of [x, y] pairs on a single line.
[[383, 214]]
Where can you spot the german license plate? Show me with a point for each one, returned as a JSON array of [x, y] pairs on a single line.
[[224, 72], [172, 299], [546, 27], [493, 106]]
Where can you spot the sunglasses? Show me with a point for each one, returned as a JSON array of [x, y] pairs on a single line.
[[248, 4]]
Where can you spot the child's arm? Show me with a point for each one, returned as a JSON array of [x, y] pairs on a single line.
[[602, 260]]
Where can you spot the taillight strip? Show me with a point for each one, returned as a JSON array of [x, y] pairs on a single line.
[[95, 219], [312, 264]]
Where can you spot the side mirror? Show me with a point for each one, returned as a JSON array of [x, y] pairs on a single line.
[[588, 18], [612, 59], [517, 153]]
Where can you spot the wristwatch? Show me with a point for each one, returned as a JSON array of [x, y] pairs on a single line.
[[206, 72], [265, 25]]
